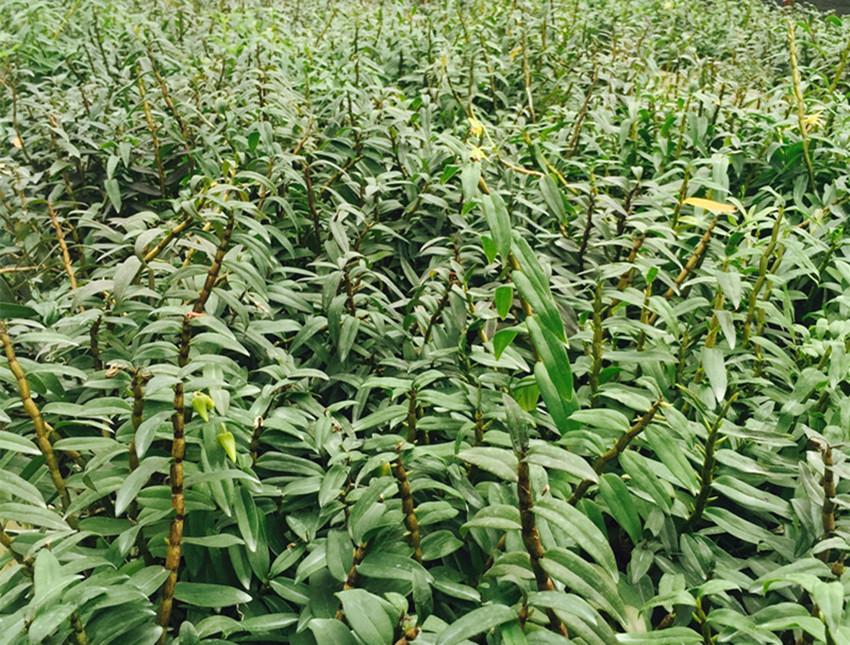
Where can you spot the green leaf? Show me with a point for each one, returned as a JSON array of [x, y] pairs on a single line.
[[620, 505], [645, 480], [502, 340], [588, 580], [347, 336], [49, 620], [715, 370], [554, 356], [16, 443], [247, 517], [829, 598], [124, 275], [200, 594], [20, 488], [556, 458], [602, 418], [330, 630], [498, 516], [496, 214], [498, 461], [504, 299], [580, 529], [558, 409], [136, 480], [113, 191], [268, 622], [220, 541], [10, 310], [365, 613], [27, 514], [475, 622], [669, 636], [439, 544]]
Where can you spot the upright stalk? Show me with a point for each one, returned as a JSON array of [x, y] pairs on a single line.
[[762, 277], [531, 539], [799, 102], [63, 246], [408, 508], [178, 444], [42, 430], [708, 463]]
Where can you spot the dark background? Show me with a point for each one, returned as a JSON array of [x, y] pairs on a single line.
[[839, 6]]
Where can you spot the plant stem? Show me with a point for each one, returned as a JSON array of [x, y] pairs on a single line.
[[762, 277], [617, 449], [42, 432], [165, 241], [351, 578], [800, 103], [137, 385], [707, 473], [178, 444], [408, 508], [60, 237], [692, 262], [828, 483], [596, 345], [531, 540]]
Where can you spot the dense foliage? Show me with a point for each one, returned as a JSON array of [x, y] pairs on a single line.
[[387, 322]]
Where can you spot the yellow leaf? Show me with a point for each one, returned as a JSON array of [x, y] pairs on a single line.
[[476, 128], [710, 205], [16, 141]]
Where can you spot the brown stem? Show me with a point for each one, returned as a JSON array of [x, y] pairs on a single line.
[[438, 312], [588, 227], [165, 241], [60, 237], [351, 578], [762, 276], [800, 102], [153, 129], [42, 431], [707, 473], [80, 636], [178, 444], [828, 509], [596, 345], [408, 508], [412, 417], [695, 258], [618, 448], [626, 278], [683, 192], [582, 113], [350, 305], [839, 71], [137, 384], [311, 205], [255, 440], [94, 346], [531, 540]]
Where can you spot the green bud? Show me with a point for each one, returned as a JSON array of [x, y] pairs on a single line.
[[227, 442], [203, 404]]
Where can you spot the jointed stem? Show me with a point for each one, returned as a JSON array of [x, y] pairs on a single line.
[[42, 430], [178, 444]]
